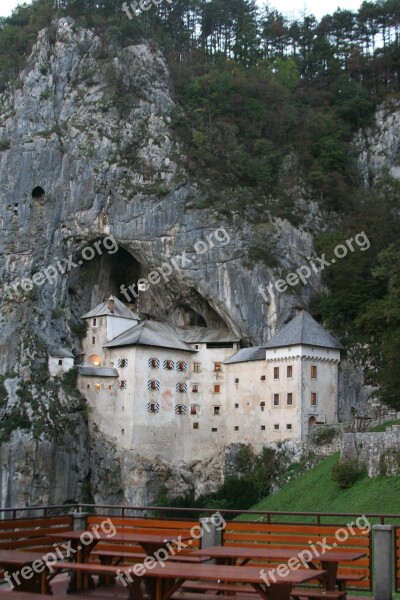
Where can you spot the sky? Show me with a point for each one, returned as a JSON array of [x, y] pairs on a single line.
[[287, 7]]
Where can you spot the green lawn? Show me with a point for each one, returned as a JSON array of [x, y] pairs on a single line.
[[384, 426], [316, 492]]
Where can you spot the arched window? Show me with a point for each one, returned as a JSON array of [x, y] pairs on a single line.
[[94, 360]]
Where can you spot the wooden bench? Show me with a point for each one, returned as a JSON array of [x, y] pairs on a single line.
[[140, 556], [317, 594], [344, 578], [238, 595], [216, 587]]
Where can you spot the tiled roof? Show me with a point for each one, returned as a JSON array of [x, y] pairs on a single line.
[[120, 310], [304, 330], [61, 353], [150, 333], [98, 372], [247, 355]]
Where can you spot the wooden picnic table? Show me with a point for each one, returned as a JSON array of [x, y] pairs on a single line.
[[15, 560], [169, 577], [150, 542], [329, 560]]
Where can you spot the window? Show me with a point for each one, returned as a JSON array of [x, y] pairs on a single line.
[[289, 426], [236, 405], [110, 387], [276, 427], [153, 384], [217, 367], [214, 429], [262, 427], [88, 386], [196, 367], [97, 386], [262, 406], [217, 410], [236, 380], [154, 363], [263, 378], [181, 366], [313, 399], [122, 384], [289, 372], [195, 425], [153, 407], [193, 409], [276, 372], [122, 431], [313, 372], [168, 365], [217, 388], [236, 427], [94, 322], [276, 399], [196, 346], [93, 340], [122, 363], [181, 388], [180, 409], [289, 399], [195, 388]]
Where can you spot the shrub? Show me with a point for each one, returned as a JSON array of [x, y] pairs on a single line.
[[323, 435], [69, 381], [344, 474]]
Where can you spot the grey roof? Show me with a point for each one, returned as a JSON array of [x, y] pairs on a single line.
[[61, 353], [204, 335], [98, 372], [305, 330], [247, 355], [150, 333], [120, 310]]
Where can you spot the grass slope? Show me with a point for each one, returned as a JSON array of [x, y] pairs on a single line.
[[316, 492]]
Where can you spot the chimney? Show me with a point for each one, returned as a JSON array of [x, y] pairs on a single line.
[[111, 306]]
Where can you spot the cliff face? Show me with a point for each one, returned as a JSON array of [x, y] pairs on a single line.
[[93, 128]]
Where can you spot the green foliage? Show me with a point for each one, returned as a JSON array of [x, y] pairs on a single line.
[[69, 381], [322, 436], [344, 474], [79, 328], [4, 144], [3, 392]]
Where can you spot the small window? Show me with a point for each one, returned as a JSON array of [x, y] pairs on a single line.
[[154, 363], [276, 427], [214, 429], [193, 410], [289, 399], [122, 363], [93, 340], [168, 365], [276, 399], [236, 405], [195, 388], [276, 372], [289, 372], [313, 399], [262, 406], [262, 427], [153, 384], [88, 386], [217, 410], [110, 387], [196, 367], [94, 322], [217, 388], [122, 431], [289, 426], [181, 388], [313, 372], [263, 378], [195, 425], [236, 427], [236, 380], [60, 362], [196, 346], [153, 407], [97, 386], [217, 367], [122, 384], [181, 366], [180, 409]]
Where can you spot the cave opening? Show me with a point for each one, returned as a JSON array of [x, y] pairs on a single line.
[[38, 192]]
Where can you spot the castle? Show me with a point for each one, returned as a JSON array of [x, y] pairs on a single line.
[[188, 392]]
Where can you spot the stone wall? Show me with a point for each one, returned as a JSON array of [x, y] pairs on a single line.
[[378, 452]]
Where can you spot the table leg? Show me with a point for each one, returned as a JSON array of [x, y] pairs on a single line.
[[329, 579]]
